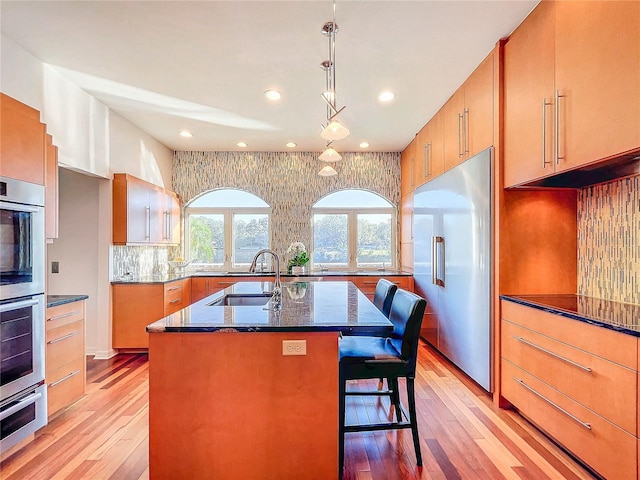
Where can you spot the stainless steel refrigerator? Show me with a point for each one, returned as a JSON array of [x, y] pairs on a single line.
[[452, 235]]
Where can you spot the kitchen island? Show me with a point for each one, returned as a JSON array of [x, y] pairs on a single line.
[[251, 391]]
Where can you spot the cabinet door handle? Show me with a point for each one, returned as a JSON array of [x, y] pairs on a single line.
[[545, 104], [147, 233], [465, 125], [68, 314], [66, 377], [549, 352], [460, 122], [177, 300], [69, 335], [427, 159], [556, 143], [411, 172], [553, 404]]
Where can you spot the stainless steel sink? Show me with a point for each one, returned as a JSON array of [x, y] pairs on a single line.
[[242, 299]]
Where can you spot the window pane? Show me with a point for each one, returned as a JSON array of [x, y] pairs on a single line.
[[330, 240], [374, 240], [228, 197], [206, 239], [352, 199], [250, 234]]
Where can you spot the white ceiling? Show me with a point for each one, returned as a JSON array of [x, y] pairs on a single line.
[[204, 65]]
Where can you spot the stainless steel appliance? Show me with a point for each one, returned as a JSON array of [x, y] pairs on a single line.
[[23, 399], [452, 228]]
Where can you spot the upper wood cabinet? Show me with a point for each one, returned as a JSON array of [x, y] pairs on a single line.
[[51, 189], [429, 151], [572, 95], [407, 172], [468, 116], [144, 213], [22, 142]]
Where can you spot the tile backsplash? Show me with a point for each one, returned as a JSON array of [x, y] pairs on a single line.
[[609, 240], [141, 261]]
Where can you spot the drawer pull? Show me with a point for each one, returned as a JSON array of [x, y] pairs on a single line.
[[64, 337], [226, 283], [177, 300], [68, 314], [553, 404], [555, 355], [170, 289], [66, 377]]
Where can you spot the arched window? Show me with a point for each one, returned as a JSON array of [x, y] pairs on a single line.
[[353, 229], [225, 228]]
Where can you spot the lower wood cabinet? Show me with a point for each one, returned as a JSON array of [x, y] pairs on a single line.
[[134, 306], [576, 382], [367, 284], [65, 355]]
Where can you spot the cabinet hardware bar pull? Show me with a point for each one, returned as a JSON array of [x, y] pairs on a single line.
[[147, 213], [26, 401], [170, 289], [427, 159], [545, 104], [412, 172], [556, 142], [66, 377], [465, 130], [56, 340], [553, 404], [433, 260], [460, 121], [226, 283], [177, 300], [555, 355], [68, 314]]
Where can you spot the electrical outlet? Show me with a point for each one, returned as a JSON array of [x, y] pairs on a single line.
[[294, 347], [55, 267]]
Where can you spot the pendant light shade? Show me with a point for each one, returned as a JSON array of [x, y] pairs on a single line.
[[327, 171], [334, 131], [330, 155]]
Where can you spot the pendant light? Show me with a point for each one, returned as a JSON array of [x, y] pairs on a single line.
[[330, 155], [327, 171]]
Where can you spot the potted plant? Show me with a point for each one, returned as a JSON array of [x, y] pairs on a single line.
[[298, 258]]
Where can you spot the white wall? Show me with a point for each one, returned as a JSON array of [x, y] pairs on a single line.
[[94, 142]]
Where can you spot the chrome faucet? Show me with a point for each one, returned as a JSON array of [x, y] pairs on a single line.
[[277, 289]]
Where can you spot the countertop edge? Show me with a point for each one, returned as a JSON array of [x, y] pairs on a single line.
[[311, 275], [55, 300], [574, 316]]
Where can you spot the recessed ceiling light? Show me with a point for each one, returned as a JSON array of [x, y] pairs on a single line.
[[273, 95], [291, 145], [186, 133], [242, 144], [364, 145], [386, 96]]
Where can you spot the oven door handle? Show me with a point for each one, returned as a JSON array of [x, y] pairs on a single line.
[[25, 402], [16, 305], [14, 207]]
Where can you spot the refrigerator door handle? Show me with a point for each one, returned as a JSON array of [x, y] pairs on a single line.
[[437, 254]]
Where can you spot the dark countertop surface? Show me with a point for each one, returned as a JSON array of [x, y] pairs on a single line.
[[55, 300], [306, 307], [622, 317], [315, 275]]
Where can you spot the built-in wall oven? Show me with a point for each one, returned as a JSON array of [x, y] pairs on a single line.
[[23, 395]]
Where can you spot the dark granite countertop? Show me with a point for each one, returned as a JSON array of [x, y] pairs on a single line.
[[55, 300], [622, 317], [306, 307], [315, 275]]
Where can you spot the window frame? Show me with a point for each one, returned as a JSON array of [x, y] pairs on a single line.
[[352, 233], [229, 254]]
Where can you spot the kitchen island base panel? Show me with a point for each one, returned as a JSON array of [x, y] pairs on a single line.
[[230, 405]]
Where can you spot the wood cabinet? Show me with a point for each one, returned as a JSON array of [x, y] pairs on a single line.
[[367, 283], [202, 287], [407, 163], [177, 295], [468, 116], [572, 95], [576, 382], [22, 142], [65, 355], [143, 213], [51, 189], [429, 151]]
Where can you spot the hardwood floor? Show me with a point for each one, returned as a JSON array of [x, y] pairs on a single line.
[[463, 436]]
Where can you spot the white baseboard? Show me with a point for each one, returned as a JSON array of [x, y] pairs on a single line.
[[103, 354]]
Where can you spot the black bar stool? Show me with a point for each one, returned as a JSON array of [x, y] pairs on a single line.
[[391, 357]]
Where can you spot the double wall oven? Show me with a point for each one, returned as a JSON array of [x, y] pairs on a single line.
[[23, 394]]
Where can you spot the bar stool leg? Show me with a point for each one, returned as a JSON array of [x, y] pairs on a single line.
[[411, 397]]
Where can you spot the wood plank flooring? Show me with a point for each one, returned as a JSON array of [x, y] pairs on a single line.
[[463, 436]]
